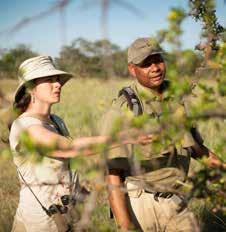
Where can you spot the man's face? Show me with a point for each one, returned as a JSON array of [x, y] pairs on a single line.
[[151, 72]]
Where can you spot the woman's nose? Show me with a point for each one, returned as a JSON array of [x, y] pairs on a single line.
[[57, 82]]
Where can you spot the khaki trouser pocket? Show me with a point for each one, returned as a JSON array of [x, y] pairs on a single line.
[[133, 190]]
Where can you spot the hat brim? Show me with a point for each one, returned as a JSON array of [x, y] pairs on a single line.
[[20, 91], [139, 59]]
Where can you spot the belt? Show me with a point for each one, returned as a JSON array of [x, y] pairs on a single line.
[[138, 190], [160, 194]]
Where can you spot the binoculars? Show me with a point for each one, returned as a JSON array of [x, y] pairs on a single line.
[[62, 209], [78, 196]]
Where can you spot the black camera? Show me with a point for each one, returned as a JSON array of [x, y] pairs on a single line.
[[65, 199], [54, 208]]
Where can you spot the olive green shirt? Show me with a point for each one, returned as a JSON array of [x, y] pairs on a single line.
[[163, 164]]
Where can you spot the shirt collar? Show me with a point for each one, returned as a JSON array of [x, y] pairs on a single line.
[[148, 94]]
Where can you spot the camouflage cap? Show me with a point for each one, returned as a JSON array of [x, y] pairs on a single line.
[[141, 48]]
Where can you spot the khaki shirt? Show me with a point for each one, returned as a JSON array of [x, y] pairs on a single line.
[[156, 165]]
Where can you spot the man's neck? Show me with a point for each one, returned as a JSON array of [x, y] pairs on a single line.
[[158, 91]]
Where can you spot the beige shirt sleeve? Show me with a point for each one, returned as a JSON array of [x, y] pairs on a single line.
[[18, 127]]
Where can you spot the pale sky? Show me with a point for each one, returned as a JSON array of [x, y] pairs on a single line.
[[83, 20]]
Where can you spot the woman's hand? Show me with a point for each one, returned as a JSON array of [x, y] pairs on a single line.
[[135, 136]]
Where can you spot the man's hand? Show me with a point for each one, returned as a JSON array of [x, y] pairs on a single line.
[[214, 162], [141, 139]]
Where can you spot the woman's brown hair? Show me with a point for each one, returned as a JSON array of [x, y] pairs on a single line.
[[19, 107], [24, 98], [22, 103]]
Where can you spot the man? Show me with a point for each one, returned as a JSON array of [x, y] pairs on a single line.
[[151, 201]]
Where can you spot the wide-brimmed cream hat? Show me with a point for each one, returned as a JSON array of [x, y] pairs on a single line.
[[34, 68]]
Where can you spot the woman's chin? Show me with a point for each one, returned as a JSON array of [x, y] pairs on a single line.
[[54, 101]]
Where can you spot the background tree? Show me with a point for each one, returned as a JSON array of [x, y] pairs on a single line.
[[11, 59], [84, 58], [181, 62]]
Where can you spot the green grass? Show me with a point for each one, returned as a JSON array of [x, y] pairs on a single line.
[[87, 100], [9, 189]]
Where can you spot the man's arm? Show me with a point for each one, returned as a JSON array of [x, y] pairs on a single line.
[[117, 199], [199, 150]]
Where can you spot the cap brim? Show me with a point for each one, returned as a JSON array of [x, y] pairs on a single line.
[[20, 91], [139, 59]]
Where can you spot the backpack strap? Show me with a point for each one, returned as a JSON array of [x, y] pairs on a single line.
[[62, 130], [132, 100], [59, 125]]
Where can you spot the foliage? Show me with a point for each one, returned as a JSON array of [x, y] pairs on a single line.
[[205, 12], [209, 108], [206, 110], [172, 35], [85, 58], [10, 60], [183, 62]]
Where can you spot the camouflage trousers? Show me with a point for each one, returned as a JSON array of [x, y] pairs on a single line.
[[161, 214]]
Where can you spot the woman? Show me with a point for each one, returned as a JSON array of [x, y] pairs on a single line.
[[43, 183], [47, 187]]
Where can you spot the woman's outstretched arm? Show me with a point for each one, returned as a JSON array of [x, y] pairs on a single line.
[[65, 148]]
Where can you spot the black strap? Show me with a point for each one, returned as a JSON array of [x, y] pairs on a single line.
[[58, 128], [61, 132], [132, 100]]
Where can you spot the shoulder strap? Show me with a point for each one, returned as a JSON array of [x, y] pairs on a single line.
[[59, 125], [62, 129], [132, 100]]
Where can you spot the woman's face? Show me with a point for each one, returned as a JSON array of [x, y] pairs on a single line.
[[47, 89]]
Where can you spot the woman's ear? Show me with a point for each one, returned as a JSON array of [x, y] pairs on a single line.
[[30, 92], [132, 69], [30, 87]]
